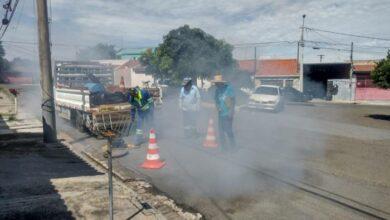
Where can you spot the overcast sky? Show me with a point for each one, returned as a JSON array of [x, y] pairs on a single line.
[[125, 23]]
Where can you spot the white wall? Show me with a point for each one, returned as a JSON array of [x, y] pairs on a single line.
[[206, 84], [137, 79]]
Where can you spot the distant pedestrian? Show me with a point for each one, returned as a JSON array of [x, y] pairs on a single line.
[[225, 100], [189, 102]]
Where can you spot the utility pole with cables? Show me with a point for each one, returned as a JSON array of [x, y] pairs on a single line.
[[48, 111], [352, 96], [351, 57], [300, 52], [255, 61], [321, 57]]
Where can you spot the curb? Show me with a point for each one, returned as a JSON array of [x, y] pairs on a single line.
[[351, 103], [136, 177]]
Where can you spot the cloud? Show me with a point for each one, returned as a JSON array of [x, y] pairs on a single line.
[[142, 23]]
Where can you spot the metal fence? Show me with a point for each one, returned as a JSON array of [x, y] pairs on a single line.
[[341, 89], [365, 83]]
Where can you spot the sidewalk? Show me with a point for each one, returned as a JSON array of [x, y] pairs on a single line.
[[132, 179], [39, 181], [358, 102]]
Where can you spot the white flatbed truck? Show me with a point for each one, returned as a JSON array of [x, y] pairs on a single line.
[[76, 105]]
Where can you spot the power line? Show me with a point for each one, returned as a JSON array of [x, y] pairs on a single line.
[[347, 50], [10, 18], [6, 6], [36, 43], [346, 34], [263, 43], [325, 37], [22, 49], [65, 44], [344, 44], [20, 15]]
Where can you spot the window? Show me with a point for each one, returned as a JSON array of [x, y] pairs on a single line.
[[267, 90]]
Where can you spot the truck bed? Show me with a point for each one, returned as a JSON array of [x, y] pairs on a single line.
[[75, 105], [73, 98]]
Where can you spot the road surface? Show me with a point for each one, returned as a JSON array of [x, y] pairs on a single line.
[[315, 161]]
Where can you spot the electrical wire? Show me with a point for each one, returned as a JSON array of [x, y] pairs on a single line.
[[6, 12], [10, 18], [325, 37], [344, 44], [348, 50], [27, 52], [262, 43], [20, 15], [346, 34]]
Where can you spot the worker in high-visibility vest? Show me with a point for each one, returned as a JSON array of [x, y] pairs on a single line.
[[142, 107]]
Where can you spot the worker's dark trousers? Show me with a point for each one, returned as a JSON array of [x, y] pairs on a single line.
[[145, 122], [225, 125]]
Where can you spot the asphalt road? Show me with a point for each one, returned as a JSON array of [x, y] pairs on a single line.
[[313, 161]]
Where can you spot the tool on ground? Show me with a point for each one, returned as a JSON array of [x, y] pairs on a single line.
[[210, 140], [152, 160]]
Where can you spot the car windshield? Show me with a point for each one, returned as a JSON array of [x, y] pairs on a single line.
[[267, 91]]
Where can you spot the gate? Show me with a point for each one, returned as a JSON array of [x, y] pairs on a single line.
[[341, 89]]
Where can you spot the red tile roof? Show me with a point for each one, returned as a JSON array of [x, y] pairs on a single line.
[[18, 79], [271, 67], [363, 67], [247, 65]]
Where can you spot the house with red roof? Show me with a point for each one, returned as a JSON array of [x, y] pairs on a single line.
[[362, 70], [132, 72], [280, 72]]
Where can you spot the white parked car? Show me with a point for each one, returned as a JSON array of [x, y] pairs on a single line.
[[266, 97]]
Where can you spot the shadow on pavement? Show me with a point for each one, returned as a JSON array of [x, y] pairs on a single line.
[[379, 117], [27, 168]]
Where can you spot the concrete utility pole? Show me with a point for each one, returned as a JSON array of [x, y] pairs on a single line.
[[321, 56], [351, 71], [255, 61], [48, 111], [301, 46], [352, 94]]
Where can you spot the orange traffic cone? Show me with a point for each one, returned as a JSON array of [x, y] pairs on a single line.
[[122, 84], [152, 160], [210, 140]]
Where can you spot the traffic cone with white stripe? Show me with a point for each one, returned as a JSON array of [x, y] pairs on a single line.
[[152, 160], [211, 140]]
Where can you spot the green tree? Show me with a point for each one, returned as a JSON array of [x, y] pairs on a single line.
[[97, 52], [4, 64], [188, 52], [381, 73]]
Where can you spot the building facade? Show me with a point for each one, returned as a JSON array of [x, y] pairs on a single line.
[[280, 72], [132, 72]]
